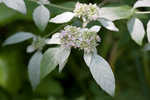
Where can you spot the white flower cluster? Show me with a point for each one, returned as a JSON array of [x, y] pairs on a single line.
[[76, 37], [87, 12]]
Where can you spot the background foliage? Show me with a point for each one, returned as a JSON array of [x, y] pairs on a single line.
[[129, 63]]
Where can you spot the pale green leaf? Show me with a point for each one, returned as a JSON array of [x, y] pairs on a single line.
[[108, 24], [41, 17], [63, 57], [51, 58], [18, 5], [148, 31], [136, 29], [142, 3], [116, 12], [34, 69], [18, 37], [101, 72], [63, 18]]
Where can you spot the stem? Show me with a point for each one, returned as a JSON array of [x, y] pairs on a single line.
[[60, 7], [146, 12], [61, 26]]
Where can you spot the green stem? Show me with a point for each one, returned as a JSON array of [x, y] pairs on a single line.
[[60, 7], [145, 12]]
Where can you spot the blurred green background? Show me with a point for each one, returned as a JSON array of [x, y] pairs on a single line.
[[130, 64]]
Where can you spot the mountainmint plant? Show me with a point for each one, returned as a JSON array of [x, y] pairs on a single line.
[[78, 37]]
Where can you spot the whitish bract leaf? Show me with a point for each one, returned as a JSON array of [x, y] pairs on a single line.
[[108, 24], [34, 69], [136, 29], [54, 40], [63, 18], [30, 49], [101, 72], [148, 31], [95, 28], [18, 5], [18, 37], [142, 3], [52, 57], [63, 57], [41, 17], [115, 12]]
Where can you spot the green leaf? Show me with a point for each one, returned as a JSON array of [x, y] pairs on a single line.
[[63, 18], [51, 58], [148, 31], [63, 57], [116, 12], [101, 72], [34, 69], [18, 37], [48, 63], [136, 29], [41, 17], [18, 5]]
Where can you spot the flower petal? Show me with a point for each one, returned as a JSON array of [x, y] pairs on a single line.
[[63, 18]]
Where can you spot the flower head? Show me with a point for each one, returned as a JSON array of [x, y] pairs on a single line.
[[87, 12], [76, 37]]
